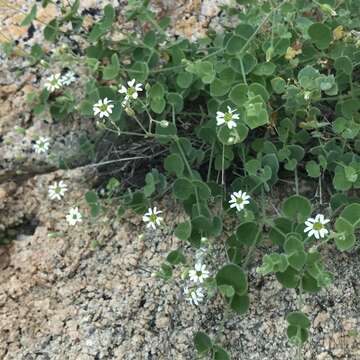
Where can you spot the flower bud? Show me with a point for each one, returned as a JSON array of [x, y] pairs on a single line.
[[164, 123]]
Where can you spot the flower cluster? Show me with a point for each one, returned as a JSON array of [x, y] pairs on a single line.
[[104, 107], [56, 81]]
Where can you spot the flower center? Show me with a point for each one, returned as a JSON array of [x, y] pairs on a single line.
[[228, 117], [239, 200], [318, 226], [58, 190], [103, 107], [153, 218], [131, 90], [198, 273]]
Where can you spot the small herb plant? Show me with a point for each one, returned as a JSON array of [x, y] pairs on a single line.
[[267, 104]]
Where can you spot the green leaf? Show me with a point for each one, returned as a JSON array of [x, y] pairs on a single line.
[[273, 263], [157, 105], [235, 44], [343, 64], [258, 89], [279, 85], [30, 17], [220, 353], [112, 70], [256, 114], [51, 30], [182, 188], [351, 173], [202, 342], [313, 169], [294, 249], [345, 241], [298, 319], [248, 233], [176, 257], [238, 94], [203, 69], [91, 197], [183, 230], [219, 87], [321, 35], [176, 100], [232, 275], [184, 79], [289, 278], [227, 290], [240, 303], [340, 181], [139, 71], [352, 214], [297, 208], [157, 91], [278, 232], [202, 188], [174, 165]]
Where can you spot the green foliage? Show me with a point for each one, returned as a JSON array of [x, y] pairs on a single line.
[[286, 74]]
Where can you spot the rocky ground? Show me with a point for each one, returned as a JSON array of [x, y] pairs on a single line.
[[86, 293]]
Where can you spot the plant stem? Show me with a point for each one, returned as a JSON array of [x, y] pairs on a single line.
[[296, 181], [210, 162]]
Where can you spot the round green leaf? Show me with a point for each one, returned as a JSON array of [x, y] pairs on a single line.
[[183, 230], [321, 35], [345, 241], [182, 188], [233, 275], [238, 94], [352, 214], [297, 208], [248, 233], [240, 303], [174, 164], [298, 319], [184, 79], [343, 64], [202, 342]]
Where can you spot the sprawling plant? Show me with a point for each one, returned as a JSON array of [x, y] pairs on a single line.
[[263, 106]]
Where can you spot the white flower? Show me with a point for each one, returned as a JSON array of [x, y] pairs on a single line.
[[53, 82], [57, 190], [315, 226], [74, 216], [239, 200], [103, 108], [132, 91], [68, 78], [42, 145], [152, 218], [196, 296], [199, 274], [227, 118]]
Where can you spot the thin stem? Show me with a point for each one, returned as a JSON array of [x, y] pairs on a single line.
[[223, 166], [243, 70], [210, 162], [296, 181]]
